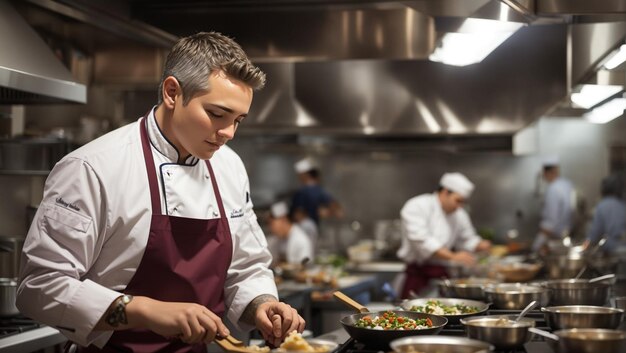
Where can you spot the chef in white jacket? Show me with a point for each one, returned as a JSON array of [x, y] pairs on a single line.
[[294, 244], [146, 237], [436, 230]]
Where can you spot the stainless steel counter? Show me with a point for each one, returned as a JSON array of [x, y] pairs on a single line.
[[32, 340]]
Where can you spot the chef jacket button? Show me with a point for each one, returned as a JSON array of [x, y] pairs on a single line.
[[207, 176]]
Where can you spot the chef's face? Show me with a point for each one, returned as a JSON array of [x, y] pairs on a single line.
[[210, 119], [450, 201], [279, 226]]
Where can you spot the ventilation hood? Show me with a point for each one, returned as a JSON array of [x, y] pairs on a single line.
[[29, 72]]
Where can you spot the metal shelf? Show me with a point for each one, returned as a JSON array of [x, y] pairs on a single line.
[[24, 172]]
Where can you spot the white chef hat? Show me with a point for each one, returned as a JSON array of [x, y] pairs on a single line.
[[304, 165], [458, 183], [550, 161], [279, 209]]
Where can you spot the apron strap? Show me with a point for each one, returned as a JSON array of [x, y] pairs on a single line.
[[155, 196]]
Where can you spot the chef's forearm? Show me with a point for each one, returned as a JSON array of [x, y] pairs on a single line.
[[249, 312], [443, 254]]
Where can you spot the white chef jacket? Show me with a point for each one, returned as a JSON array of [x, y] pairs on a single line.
[[295, 248], [426, 228], [91, 229]]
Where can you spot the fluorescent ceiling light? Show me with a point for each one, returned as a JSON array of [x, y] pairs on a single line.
[[617, 59], [473, 41], [607, 111], [591, 95]]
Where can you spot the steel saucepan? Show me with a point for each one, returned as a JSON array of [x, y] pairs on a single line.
[[582, 316], [586, 340], [480, 307], [516, 296], [466, 288], [577, 292], [382, 338], [440, 344], [8, 289], [501, 331]]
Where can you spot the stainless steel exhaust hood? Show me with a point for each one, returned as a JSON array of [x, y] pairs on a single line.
[[29, 71]]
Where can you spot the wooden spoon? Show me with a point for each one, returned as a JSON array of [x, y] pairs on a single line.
[[350, 302]]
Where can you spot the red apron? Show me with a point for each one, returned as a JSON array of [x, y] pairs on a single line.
[[418, 277], [185, 260]]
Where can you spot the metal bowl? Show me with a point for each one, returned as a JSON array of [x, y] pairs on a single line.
[[501, 331], [439, 344], [590, 341], [516, 296], [517, 272], [466, 288], [317, 344], [452, 319], [582, 316], [577, 292]]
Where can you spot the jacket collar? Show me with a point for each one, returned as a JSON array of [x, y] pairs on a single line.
[[162, 144]]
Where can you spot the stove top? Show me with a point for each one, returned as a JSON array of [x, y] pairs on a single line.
[[16, 324], [536, 345]]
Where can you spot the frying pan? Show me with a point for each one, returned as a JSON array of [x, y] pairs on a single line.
[[452, 319], [382, 338]]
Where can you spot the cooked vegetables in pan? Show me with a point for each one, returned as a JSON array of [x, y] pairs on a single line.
[[390, 321], [438, 308]]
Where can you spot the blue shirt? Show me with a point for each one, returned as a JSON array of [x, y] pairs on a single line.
[[556, 215], [310, 198], [609, 220]]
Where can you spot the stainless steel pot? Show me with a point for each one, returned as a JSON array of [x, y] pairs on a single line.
[[8, 289], [501, 331], [10, 252], [31, 153], [439, 344], [564, 266], [582, 316], [466, 288], [515, 296], [590, 341], [577, 292]]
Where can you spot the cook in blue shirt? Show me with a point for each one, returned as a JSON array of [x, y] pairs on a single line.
[[311, 199], [609, 219]]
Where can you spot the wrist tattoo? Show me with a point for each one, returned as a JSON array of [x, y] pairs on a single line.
[[249, 312]]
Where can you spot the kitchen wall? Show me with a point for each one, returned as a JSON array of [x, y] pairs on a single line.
[[373, 180]]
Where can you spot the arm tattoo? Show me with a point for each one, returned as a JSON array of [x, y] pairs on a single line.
[[249, 312]]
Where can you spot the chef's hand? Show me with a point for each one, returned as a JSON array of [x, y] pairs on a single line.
[[464, 257], [192, 323], [484, 245], [276, 320]]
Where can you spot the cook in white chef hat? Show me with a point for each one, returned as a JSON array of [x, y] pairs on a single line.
[[279, 209], [550, 161], [305, 165], [457, 182]]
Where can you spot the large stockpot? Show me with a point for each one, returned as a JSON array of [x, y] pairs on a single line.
[[382, 338], [452, 319], [516, 296], [8, 289], [582, 316], [440, 344], [501, 331], [577, 292], [466, 288], [589, 341]]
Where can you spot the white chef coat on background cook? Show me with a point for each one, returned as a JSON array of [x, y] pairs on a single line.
[[91, 229], [427, 228]]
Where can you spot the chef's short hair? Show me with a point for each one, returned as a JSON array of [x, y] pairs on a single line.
[[612, 186], [193, 58]]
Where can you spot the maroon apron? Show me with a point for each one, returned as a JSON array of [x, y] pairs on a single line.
[[418, 277], [185, 260]]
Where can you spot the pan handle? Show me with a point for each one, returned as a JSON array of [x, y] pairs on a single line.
[[350, 302]]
